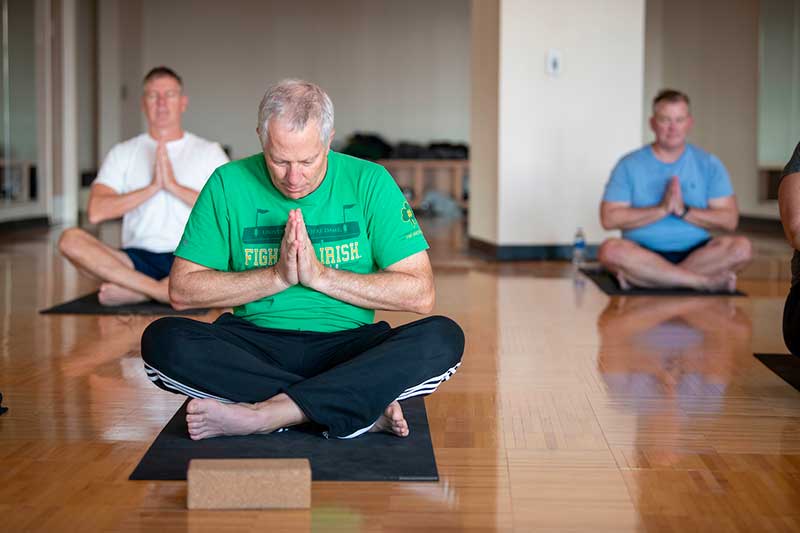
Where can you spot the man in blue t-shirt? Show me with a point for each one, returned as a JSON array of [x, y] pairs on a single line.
[[665, 197]]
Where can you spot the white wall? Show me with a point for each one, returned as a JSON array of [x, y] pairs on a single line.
[[560, 136], [398, 68]]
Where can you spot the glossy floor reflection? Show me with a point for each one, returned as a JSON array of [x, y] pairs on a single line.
[[572, 412]]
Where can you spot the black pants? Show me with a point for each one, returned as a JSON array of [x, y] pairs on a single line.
[[791, 320], [342, 381]]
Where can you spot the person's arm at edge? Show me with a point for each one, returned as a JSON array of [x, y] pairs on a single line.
[[107, 204], [789, 206], [721, 213], [406, 285], [195, 285]]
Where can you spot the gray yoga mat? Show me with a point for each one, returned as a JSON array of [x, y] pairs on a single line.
[[369, 457], [89, 305], [607, 283], [786, 366]]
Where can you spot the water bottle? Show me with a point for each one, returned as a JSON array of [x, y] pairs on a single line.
[[579, 248]]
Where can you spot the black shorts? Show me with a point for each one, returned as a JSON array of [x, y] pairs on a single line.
[[153, 264], [678, 256]]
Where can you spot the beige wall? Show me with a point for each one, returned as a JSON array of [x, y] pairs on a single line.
[[779, 81], [715, 60], [653, 61], [398, 68], [87, 69], [120, 72], [483, 212], [560, 136], [22, 84]]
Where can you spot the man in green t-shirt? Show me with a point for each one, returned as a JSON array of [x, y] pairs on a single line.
[[304, 244]]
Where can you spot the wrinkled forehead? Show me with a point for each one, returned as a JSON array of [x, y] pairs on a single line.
[[287, 142], [288, 123]]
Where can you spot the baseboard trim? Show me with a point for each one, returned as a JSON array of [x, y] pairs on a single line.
[[23, 224], [760, 224], [548, 252]]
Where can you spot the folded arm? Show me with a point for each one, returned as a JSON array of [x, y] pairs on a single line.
[[107, 204], [194, 285], [185, 194], [620, 215], [721, 213], [407, 285], [165, 174]]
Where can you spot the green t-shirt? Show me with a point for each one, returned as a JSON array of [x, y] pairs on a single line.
[[357, 219]]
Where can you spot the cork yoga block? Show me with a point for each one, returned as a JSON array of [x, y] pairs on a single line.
[[249, 484]]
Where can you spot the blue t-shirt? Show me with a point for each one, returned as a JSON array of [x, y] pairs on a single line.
[[640, 180]]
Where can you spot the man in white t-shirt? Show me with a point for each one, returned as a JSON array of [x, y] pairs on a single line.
[[152, 182]]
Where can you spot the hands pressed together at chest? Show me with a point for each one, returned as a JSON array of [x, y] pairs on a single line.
[[105, 203], [164, 177], [406, 285], [672, 201], [298, 263], [720, 214]]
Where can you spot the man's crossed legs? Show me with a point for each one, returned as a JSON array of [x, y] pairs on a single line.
[[121, 281], [711, 267], [247, 379]]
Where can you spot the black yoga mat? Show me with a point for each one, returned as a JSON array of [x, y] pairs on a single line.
[[89, 305], [369, 457], [607, 283], [785, 365]]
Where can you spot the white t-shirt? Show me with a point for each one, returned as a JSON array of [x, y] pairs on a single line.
[[157, 224]]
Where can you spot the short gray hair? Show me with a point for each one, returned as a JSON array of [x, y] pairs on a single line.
[[297, 102]]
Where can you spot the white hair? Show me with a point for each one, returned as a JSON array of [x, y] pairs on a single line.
[[296, 102]]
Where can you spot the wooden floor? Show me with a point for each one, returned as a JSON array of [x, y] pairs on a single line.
[[571, 411]]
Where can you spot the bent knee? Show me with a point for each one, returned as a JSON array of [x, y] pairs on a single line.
[[71, 240], [737, 249], [612, 251], [162, 342], [445, 333], [792, 341], [742, 249], [791, 321], [791, 337]]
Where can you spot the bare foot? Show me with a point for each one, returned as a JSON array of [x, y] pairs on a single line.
[[210, 418], [113, 294], [725, 282], [392, 421]]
